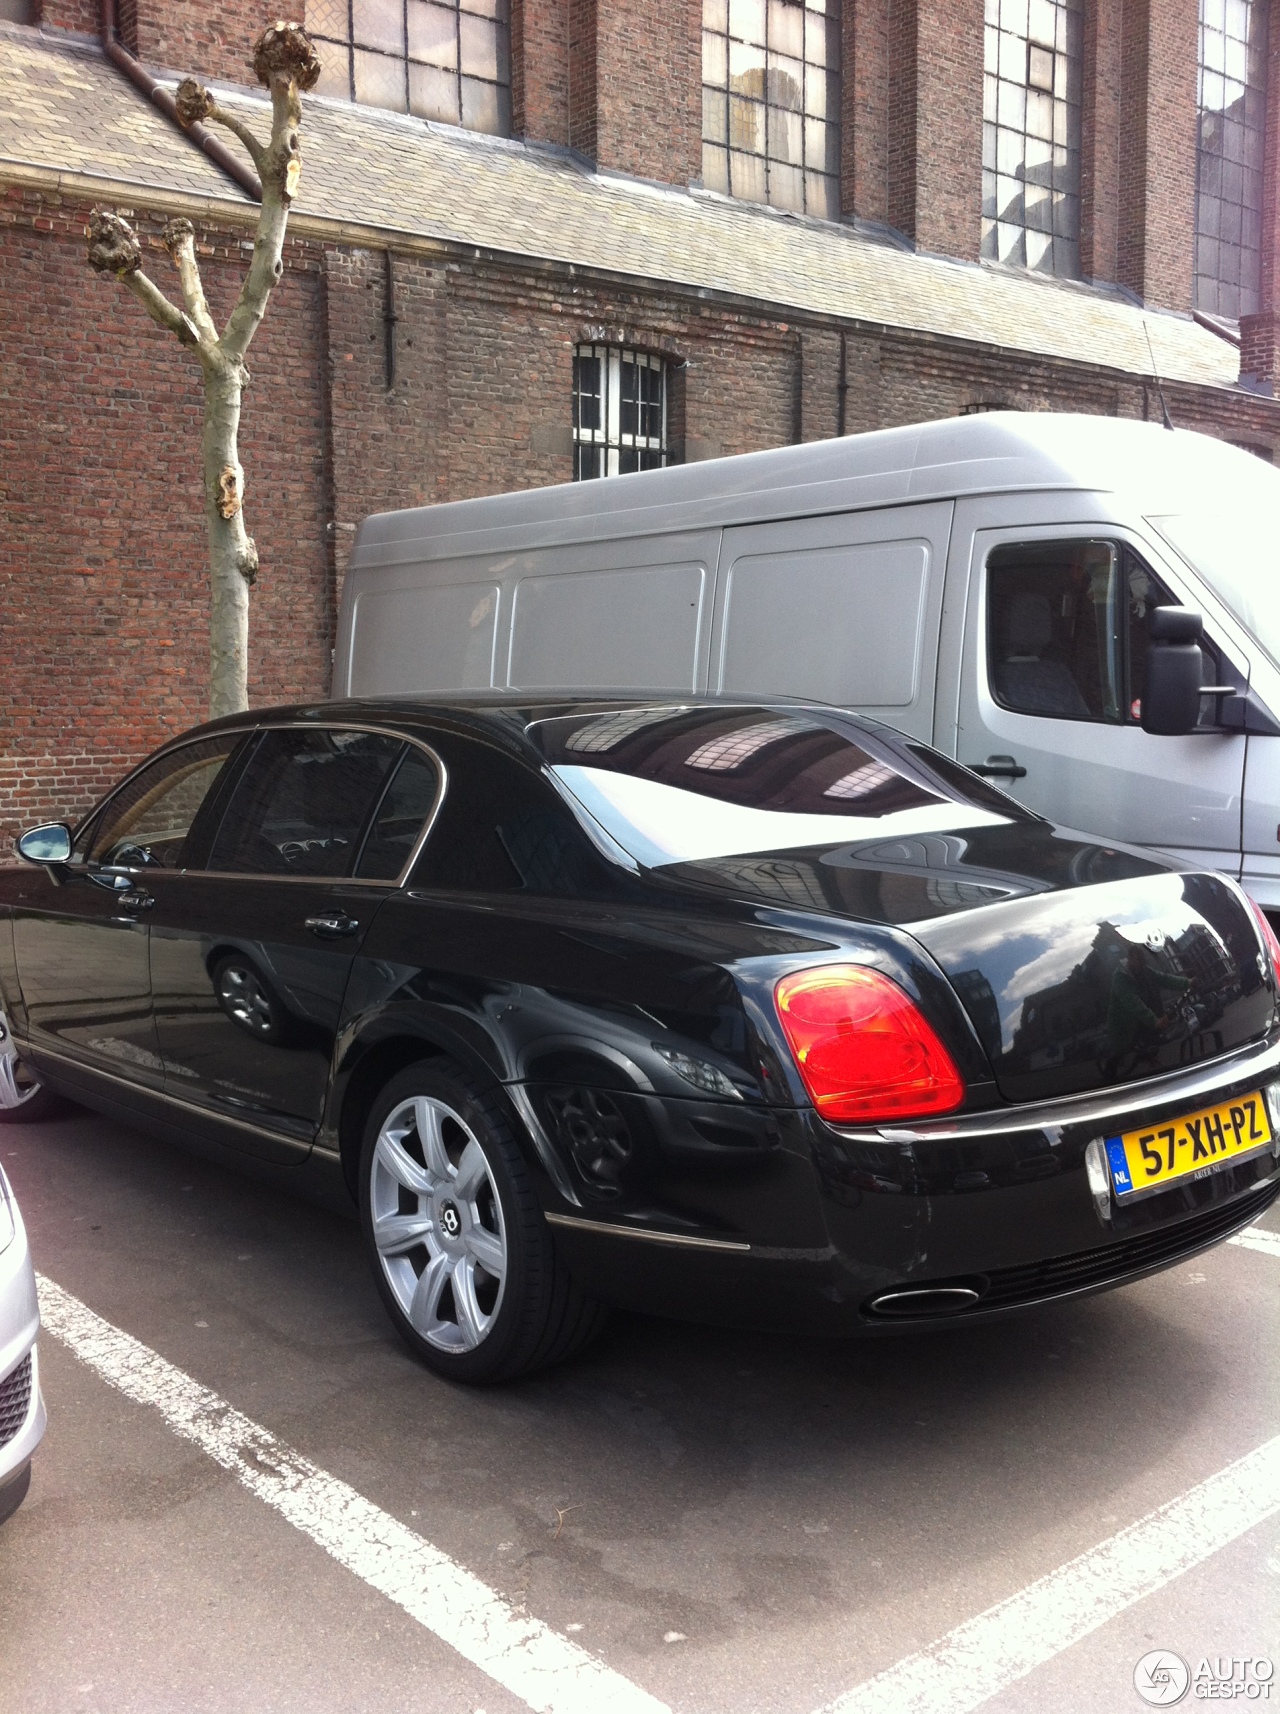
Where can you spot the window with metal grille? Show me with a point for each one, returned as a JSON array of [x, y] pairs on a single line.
[[1232, 98], [771, 102], [439, 59], [619, 411], [1031, 134]]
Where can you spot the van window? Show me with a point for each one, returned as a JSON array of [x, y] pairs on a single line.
[[1067, 630]]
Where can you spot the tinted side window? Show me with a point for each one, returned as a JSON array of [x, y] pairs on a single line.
[[301, 803], [502, 829], [1067, 630], [1053, 629], [405, 806], [148, 821]]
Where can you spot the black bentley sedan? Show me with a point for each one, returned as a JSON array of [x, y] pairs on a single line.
[[755, 1013]]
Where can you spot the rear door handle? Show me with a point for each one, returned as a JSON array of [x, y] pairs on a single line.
[[998, 768], [332, 928]]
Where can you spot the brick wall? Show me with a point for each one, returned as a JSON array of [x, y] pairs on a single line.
[[1157, 176], [935, 124], [209, 38], [1100, 124], [864, 109], [103, 563], [649, 89], [540, 70], [581, 30], [1260, 333], [82, 15]]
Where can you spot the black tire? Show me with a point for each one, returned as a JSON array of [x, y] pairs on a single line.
[[14, 1492], [34, 1102], [537, 1315]]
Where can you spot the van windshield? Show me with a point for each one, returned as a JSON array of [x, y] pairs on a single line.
[[681, 784], [1235, 546]]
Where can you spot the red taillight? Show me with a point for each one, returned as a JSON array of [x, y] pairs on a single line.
[[1268, 939], [865, 1050]]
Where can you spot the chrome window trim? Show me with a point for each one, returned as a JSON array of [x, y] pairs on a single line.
[[398, 882], [161, 1094], [103, 804]]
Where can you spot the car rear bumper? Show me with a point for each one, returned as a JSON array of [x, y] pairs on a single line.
[[980, 1215]]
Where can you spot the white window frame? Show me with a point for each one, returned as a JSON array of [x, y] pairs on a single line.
[[610, 435]]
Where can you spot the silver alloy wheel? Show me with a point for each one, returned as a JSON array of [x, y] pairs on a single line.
[[244, 999], [437, 1223], [18, 1085]]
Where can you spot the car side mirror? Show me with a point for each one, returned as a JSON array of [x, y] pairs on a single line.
[[1175, 672], [48, 844]]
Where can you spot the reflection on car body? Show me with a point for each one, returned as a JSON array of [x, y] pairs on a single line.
[[758, 1013]]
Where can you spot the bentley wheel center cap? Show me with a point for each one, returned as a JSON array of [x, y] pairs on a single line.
[[450, 1219]]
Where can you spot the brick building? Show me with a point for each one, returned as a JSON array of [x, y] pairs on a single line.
[[546, 239]]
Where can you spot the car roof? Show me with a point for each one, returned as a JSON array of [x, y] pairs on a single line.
[[503, 713]]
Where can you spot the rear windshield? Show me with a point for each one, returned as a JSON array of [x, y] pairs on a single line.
[[680, 785]]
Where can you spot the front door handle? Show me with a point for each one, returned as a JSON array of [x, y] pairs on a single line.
[[332, 928], [998, 768]]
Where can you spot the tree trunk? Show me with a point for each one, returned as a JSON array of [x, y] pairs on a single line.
[[286, 63], [233, 558]]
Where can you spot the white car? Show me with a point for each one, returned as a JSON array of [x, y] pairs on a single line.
[[22, 1416]]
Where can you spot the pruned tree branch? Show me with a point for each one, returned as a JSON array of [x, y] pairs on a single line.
[[286, 62], [180, 242], [195, 103], [114, 249]]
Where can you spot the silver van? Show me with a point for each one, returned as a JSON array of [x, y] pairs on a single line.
[[989, 583]]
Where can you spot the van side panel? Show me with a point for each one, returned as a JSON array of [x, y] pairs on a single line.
[[422, 637], [635, 628], [844, 609]]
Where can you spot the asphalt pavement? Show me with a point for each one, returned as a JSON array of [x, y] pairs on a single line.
[[723, 1520]]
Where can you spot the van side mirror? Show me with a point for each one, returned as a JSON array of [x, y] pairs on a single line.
[[48, 844], [1175, 672]]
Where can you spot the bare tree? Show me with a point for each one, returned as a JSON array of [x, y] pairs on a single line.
[[285, 61]]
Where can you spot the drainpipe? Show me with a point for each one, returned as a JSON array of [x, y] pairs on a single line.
[[124, 61]]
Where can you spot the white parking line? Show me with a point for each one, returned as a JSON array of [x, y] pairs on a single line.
[[985, 1655], [1254, 1238], [535, 1663]]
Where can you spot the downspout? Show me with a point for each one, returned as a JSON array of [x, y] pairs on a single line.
[[124, 61]]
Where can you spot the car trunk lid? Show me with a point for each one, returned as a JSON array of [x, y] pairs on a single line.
[[1101, 985]]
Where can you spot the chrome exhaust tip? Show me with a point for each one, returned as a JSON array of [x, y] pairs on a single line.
[[925, 1300]]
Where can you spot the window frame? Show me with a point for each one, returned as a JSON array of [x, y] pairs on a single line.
[[87, 827], [610, 438], [1218, 658], [1000, 123], [235, 764], [716, 25], [351, 47], [1251, 103]]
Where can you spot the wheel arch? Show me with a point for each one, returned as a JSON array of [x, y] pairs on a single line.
[[384, 1059]]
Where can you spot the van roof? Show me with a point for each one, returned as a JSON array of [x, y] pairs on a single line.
[[989, 452]]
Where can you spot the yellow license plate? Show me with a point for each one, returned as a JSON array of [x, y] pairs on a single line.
[[1190, 1146]]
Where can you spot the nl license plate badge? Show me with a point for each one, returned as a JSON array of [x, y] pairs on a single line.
[[1190, 1146]]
